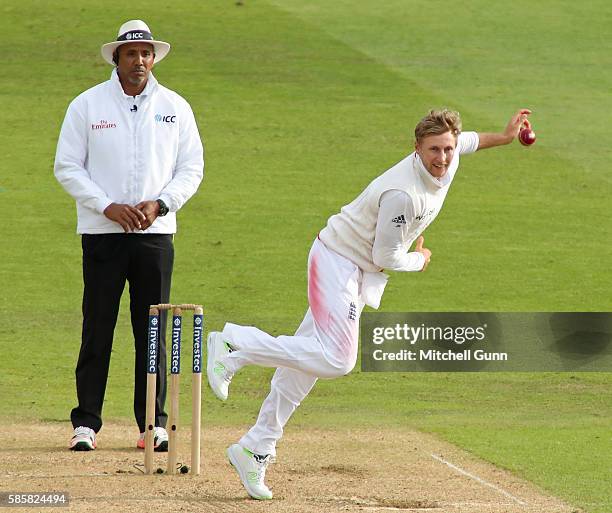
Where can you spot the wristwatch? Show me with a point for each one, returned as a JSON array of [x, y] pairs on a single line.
[[163, 208]]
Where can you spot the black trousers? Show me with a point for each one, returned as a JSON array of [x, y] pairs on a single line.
[[109, 260]]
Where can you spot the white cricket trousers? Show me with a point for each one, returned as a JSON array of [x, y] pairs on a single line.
[[324, 346]]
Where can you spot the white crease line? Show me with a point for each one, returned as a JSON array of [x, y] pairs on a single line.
[[390, 508], [481, 481], [33, 476]]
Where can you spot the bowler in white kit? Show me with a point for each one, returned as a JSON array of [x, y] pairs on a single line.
[[372, 233]]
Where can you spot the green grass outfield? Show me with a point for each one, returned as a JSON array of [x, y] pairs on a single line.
[[300, 105]]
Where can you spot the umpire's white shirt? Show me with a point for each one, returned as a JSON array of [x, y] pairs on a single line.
[[115, 148]]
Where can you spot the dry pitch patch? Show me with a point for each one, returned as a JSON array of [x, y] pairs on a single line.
[[317, 470]]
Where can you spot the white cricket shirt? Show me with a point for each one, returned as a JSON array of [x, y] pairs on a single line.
[[376, 230], [115, 148]]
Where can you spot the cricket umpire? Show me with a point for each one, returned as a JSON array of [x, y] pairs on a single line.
[[130, 154]]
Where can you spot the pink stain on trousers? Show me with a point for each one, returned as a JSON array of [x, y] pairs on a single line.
[[330, 301], [315, 295]]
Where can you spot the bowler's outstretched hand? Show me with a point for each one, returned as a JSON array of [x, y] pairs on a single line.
[[518, 121]]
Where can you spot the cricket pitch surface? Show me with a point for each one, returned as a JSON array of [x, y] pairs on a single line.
[[317, 470]]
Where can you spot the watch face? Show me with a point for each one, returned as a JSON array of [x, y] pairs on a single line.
[[163, 208]]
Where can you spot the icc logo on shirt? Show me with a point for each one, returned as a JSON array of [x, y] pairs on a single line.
[[165, 119]]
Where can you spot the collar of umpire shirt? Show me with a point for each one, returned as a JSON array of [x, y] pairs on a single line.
[[117, 87], [431, 182]]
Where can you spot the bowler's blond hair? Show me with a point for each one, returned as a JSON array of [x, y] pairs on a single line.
[[438, 122]]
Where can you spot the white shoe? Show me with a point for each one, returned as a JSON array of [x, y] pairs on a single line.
[[219, 377], [84, 439], [160, 440], [252, 470]]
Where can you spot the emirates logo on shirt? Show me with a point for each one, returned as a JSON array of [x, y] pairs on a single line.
[[102, 125]]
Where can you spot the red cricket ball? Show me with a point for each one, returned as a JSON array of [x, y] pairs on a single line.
[[527, 136]]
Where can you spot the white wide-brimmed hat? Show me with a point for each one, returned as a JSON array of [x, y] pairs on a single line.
[[135, 31]]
